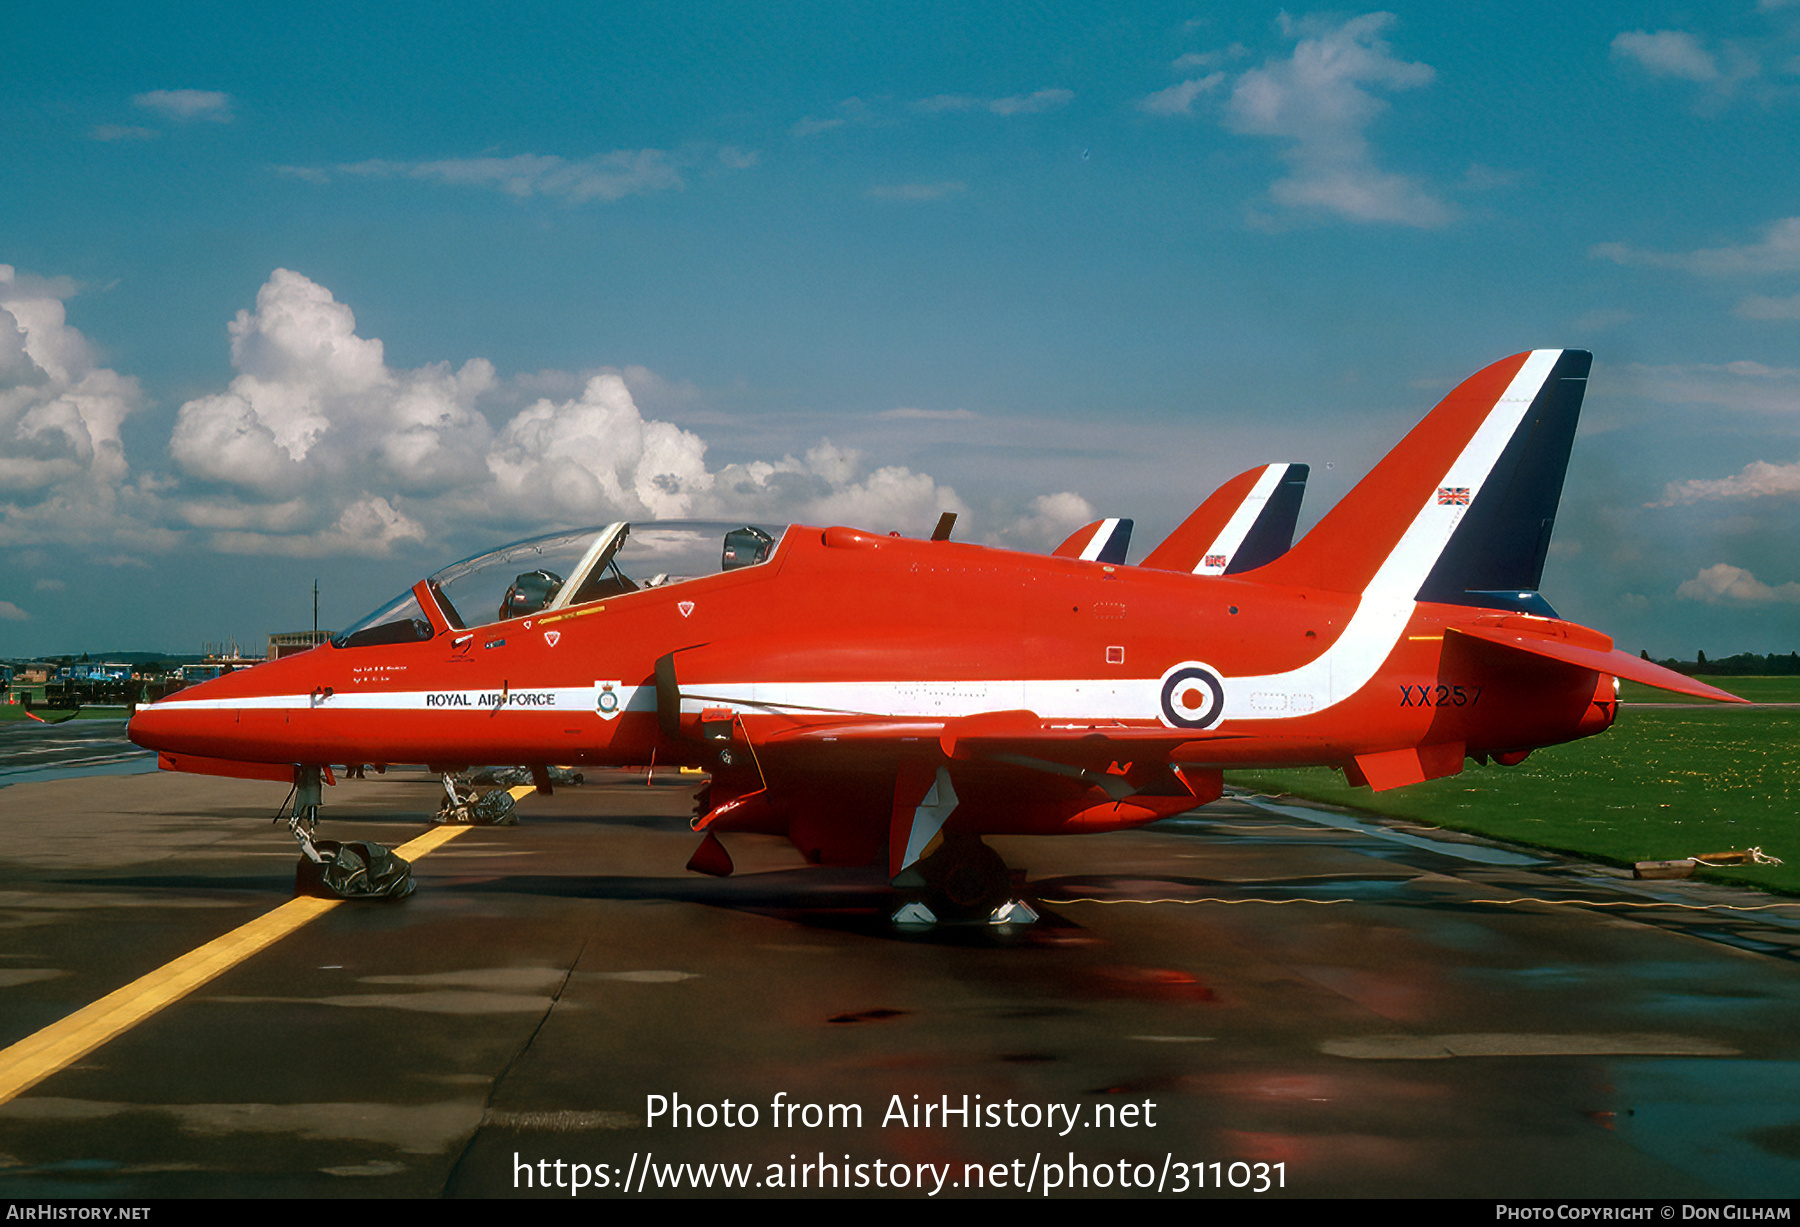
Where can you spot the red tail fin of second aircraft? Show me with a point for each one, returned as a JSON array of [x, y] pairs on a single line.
[[1245, 523], [1461, 511], [1102, 541]]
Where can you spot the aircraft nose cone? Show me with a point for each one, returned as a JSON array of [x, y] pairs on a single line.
[[148, 728]]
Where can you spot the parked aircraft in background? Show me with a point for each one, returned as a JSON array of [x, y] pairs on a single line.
[[871, 696]]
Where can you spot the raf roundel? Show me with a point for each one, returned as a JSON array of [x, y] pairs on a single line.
[[1193, 696]]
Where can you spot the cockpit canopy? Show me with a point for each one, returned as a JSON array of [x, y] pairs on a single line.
[[562, 569]]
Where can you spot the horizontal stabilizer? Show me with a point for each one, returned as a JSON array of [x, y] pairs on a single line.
[[1101, 541], [1245, 523], [1613, 663]]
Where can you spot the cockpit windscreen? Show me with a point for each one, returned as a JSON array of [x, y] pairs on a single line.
[[559, 570]]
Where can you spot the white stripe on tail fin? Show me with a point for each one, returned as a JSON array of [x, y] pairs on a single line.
[[1244, 524], [1101, 541]]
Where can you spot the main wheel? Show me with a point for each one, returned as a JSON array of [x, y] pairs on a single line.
[[966, 879]]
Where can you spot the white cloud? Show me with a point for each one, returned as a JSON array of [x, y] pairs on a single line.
[[12, 613], [1051, 518], [1679, 55], [1758, 479], [851, 112], [187, 104], [1779, 252], [1724, 584], [320, 448], [1318, 101], [582, 459], [1750, 387], [62, 465], [1667, 53], [1179, 99], [832, 485], [317, 423], [812, 127], [1034, 103], [604, 176], [368, 527]]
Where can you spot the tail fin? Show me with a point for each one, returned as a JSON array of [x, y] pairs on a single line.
[[1244, 524], [1101, 541], [1461, 511]]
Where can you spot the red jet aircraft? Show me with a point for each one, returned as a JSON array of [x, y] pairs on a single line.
[[863, 694]]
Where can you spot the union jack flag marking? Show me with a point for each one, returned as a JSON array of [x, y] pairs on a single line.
[[1215, 560], [1453, 496]]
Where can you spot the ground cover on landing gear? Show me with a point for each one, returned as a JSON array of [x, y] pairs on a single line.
[[1662, 783]]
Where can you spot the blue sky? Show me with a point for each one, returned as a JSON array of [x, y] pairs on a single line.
[[322, 291]]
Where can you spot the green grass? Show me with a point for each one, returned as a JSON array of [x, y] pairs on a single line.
[[1756, 689], [1656, 786]]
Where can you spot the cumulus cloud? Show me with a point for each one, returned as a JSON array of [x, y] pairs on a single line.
[[1758, 479], [12, 613], [62, 465], [313, 399], [1779, 252], [1051, 518], [315, 425], [187, 104], [1724, 584], [1319, 103], [318, 448], [597, 453], [370, 527]]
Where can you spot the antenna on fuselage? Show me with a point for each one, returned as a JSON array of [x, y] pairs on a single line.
[[945, 523]]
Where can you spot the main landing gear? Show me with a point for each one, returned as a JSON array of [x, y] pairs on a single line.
[[964, 881]]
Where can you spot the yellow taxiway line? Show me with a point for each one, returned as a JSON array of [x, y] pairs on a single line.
[[59, 1045]]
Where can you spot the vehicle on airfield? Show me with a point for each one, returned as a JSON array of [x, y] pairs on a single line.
[[864, 694]]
